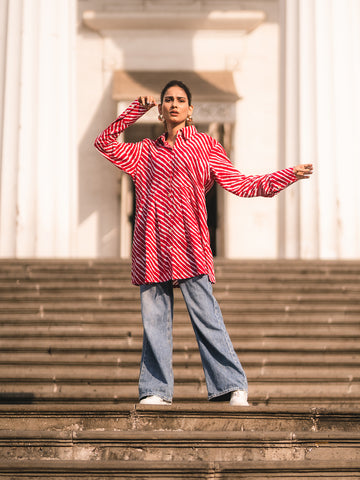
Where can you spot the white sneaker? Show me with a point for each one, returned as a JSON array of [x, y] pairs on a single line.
[[239, 398], [154, 400]]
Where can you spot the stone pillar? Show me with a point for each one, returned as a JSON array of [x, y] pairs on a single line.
[[10, 121], [38, 168], [320, 218]]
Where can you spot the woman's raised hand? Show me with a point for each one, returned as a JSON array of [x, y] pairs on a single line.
[[147, 101], [303, 171]]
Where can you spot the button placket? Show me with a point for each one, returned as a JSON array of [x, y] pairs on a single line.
[[170, 211]]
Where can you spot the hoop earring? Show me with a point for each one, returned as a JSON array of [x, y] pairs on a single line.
[[189, 120]]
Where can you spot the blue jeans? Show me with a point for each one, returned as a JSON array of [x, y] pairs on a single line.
[[222, 368]]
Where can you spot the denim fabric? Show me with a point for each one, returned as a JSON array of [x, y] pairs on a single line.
[[223, 371], [156, 373]]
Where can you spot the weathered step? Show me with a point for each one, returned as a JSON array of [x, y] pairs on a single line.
[[332, 271], [189, 358], [143, 445], [118, 344], [313, 286], [180, 330], [36, 316], [224, 279], [242, 330], [244, 310], [157, 470], [224, 296], [129, 314], [300, 289], [268, 391], [57, 263], [218, 416], [183, 373], [278, 264]]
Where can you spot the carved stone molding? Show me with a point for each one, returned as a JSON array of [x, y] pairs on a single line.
[[239, 20]]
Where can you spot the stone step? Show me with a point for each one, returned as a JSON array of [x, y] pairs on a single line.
[[307, 284], [53, 264], [165, 470], [224, 268], [131, 358], [224, 298], [241, 309], [183, 374], [93, 262], [181, 331], [93, 285], [283, 317], [313, 391], [257, 446], [231, 284], [37, 344], [13, 372], [210, 416]]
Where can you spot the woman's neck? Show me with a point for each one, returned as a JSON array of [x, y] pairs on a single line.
[[171, 133]]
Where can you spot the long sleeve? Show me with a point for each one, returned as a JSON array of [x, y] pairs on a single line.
[[224, 173], [124, 155]]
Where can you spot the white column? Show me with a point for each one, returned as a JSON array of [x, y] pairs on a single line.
[[3, 36], [326, 132], [346, 56], [27, 187], [355, 40], [10, 73], [320, 125], [38, 171], [308, 214], [55, 128], [289, 224]]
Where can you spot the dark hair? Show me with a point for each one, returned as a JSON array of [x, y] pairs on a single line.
[[176, 83]]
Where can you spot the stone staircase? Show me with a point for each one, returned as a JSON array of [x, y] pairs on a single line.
[[70, 349]]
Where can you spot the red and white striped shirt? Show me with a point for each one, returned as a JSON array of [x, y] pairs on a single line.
[[171, 238]]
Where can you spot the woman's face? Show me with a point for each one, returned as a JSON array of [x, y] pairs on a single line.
[[175, 106]]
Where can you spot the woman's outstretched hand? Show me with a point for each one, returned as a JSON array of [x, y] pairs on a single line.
[[147, 101], [303, 171]]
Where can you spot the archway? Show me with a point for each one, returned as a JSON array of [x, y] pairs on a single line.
[[214, 97]]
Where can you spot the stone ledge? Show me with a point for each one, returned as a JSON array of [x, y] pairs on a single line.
[[172, 470], [180, 438], [244, 21]]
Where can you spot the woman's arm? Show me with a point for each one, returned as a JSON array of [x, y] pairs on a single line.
[[124, 155], [267, 185]]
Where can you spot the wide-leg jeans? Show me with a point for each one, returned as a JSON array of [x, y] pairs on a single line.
[[222, 368]]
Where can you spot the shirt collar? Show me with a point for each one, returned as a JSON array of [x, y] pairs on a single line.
[[187, 133]]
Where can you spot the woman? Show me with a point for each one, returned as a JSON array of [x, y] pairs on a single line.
[[171, 245]]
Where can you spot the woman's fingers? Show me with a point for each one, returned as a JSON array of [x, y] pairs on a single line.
[[147, 101], [303, 171]]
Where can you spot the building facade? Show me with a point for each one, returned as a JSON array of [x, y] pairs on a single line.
[[276, 81]]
